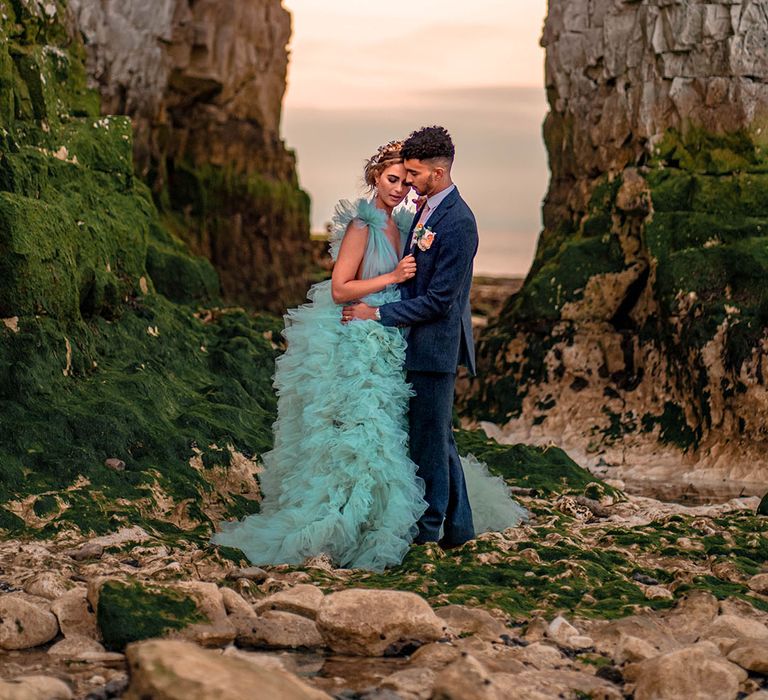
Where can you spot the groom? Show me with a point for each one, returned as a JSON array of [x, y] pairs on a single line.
[[435, 308]]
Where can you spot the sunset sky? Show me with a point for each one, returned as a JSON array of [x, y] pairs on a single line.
[[361, 74]]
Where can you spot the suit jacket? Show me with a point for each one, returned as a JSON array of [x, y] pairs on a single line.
[[435, 303]]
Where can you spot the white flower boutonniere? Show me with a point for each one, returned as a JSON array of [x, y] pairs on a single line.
[[424, 237]]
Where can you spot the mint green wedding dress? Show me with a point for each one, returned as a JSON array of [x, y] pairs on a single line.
[[339, 480]]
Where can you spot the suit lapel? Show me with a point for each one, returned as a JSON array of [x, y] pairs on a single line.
[[409, 237], [442, 209]]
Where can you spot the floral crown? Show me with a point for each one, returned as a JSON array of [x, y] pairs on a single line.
[[389, 151]]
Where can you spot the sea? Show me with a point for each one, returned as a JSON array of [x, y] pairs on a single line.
[[501, 163]]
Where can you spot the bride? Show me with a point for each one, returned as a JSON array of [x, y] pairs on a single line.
[[339, 480]]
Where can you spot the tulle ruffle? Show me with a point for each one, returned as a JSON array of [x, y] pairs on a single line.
[[338, 481], [493, 507]]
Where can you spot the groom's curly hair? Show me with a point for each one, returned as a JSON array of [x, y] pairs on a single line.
[[428, 143]]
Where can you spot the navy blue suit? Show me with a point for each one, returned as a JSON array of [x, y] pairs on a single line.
[[435, 308]]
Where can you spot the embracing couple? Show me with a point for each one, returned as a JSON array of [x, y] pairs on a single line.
[[364, 461]]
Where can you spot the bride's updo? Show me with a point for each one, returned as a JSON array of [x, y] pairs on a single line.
[[388, 154]]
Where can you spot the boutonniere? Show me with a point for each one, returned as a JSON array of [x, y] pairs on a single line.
[[424, 237]]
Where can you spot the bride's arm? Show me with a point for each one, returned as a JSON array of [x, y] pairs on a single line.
[[344, 286]]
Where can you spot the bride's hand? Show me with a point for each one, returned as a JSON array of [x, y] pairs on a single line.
[[405, 269]]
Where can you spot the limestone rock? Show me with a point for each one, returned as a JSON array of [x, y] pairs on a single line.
[[692, 672], [203, 84], [250, 573], [176, 670], [75, 616], [47, 584], [24, 625], [539, 655], [736, 627], [759, 583], [543, 685], [366, 621], [465, 679], [463, 620], [560, 630], [73, 646], [240, 614], [411, 684], [185, 609], [632, 649], [90, 550], [35, 688], [277, 629], [648, 101], [436, 655], [303, 599], [751, 655]]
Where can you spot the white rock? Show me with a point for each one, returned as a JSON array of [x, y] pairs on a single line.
[[303, 599], [411, 684], [47, 584], [35, 688], [75, 616], [752, 656], [560, 630], [759, 583], [465, 679], [736, 626], [658, 593], [463, 620], [72, 647], [692, 672], [24, 625], [367, 621], [632, 649], [176, 670], [277, 629]]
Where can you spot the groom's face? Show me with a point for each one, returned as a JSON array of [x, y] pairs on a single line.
[[420, 176]]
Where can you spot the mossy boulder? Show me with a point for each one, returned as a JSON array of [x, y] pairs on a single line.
[[129, 611], [546, 470], [646, 313], [114, 342]]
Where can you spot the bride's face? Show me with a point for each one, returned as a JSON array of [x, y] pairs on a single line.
[[391, 185]]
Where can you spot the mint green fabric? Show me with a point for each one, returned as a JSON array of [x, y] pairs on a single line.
[[339, 480]]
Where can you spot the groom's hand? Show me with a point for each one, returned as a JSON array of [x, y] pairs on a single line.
[[358, 312]]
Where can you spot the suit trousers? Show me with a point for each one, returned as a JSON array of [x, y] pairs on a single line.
[[433, 449]]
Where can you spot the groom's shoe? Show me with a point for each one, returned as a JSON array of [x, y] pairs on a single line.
[[446, 545]]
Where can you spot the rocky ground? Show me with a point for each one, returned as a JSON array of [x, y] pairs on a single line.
[[600, 595]]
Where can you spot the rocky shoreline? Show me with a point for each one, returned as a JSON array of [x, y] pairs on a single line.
[[601, 595]]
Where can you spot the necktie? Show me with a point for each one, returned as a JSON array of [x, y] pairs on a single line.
[[424, 213], [422, 219]]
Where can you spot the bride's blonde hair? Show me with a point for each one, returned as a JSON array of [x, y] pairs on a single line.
[[388, 154]]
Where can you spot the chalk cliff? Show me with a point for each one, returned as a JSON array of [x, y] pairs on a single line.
[[203, 83], [640, 330]]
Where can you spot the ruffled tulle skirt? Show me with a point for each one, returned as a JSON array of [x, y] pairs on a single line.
[[339, 480]]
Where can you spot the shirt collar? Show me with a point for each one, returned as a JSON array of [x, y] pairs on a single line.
[[435, 199]]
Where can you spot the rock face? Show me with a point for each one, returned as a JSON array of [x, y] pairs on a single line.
[[203, 84], [98, 357], [642, 321]]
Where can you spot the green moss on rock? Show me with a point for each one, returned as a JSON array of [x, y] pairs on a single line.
[[118, 345], [548, 470], [131, 611]]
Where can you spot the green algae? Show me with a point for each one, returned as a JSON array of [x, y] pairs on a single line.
[[231, 217], [704, 243], [131, 611], [548, 470], [146, 399], [118, 345]]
